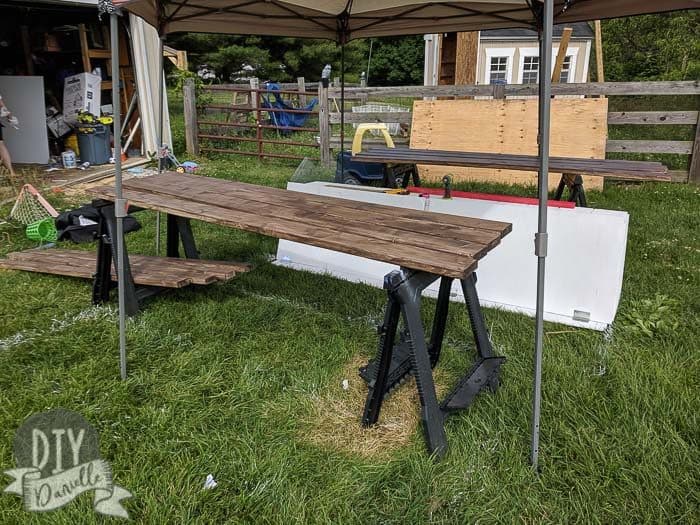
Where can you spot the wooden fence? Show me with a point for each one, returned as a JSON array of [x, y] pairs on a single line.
[[327, 141]]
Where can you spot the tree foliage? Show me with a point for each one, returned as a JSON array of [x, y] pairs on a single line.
[[397, 61], [652, 47], [270, 58]]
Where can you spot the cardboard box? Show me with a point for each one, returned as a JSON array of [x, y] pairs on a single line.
[[57, 125], [81, 92]]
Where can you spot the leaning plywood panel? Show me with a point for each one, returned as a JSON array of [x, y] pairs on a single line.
[[24, 97], [585, 262], [579, 129]]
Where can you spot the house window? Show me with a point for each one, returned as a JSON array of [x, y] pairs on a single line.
[[531, 70], [498, 70], [565, 70]]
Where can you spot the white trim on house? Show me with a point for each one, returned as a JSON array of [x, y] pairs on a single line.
[[494, 52], [586, 62]]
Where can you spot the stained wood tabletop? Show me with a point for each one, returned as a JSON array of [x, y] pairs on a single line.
[[438, 243], [621, 169]]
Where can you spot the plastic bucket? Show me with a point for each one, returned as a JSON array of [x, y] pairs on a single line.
[[94, 142], [44, 230]]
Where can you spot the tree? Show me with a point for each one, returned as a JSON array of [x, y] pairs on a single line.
[[271, 58], [397, 61], [652, 47]]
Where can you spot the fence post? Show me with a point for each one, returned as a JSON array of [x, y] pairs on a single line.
[[190, 112], [324, 126], [499, 91], [301, 87], [694, 171], [363, 84], [255, 104]]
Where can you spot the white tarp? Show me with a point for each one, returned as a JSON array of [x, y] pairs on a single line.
[[146, 47], [585, 261]]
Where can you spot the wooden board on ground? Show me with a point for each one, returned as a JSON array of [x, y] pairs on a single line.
[[579, 129], [167, 272]]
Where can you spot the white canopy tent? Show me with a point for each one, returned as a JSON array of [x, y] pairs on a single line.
[[342, 20]]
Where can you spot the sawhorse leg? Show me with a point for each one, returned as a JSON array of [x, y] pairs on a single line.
[[413, 356], [106, 256], [576, 192], [180, 229]]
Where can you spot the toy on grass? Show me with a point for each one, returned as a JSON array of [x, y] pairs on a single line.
[[31, 207], [188, 167], [43, 230]]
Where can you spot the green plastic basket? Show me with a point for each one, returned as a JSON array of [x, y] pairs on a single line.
[[43, 230]]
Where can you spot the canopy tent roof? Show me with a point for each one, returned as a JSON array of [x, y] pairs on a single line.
[[342, 20]]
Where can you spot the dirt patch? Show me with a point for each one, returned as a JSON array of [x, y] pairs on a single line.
[[334, 421]]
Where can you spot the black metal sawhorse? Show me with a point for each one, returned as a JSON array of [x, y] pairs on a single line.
[[413, 356], [576, 191], [178, 229]]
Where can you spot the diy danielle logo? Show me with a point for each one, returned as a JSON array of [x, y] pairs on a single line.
[[58, 458]]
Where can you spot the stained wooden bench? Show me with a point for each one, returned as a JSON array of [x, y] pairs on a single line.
[[571, 168], [426, 246]]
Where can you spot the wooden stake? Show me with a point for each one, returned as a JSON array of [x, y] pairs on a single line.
[[600, 74], [563, 48]]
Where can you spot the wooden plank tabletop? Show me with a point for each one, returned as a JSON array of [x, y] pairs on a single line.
[[621, 169], [437, 243]]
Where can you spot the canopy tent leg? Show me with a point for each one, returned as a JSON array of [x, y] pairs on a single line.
[[120, 204], [342, 108], [545, 89], [159, 144]]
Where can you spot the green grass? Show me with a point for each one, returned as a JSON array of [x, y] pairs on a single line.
[[222, 381]]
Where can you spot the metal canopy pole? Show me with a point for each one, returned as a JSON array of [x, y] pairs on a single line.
[[545, 90], [160, 133], [342, 108], [119, 203]]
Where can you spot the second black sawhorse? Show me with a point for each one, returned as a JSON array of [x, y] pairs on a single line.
[[178, 230], [576, 192], [413, 356]]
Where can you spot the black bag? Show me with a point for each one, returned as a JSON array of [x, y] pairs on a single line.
[[70, 229]]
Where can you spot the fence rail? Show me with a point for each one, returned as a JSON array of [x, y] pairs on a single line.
[[329, 98]]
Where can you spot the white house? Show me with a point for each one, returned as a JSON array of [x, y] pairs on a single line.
[[504, 56]]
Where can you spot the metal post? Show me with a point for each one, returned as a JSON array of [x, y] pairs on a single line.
[[119, 202], [545, 89], [342, 107], [160, 129]]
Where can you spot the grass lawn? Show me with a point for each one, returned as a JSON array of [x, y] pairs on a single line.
[[243, 381]]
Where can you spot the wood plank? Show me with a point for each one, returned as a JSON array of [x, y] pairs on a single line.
[[681, 147], [561, 54], [466, 57], [622, 169], [167, 272], [653, 117], [289, 207], [579, 129], [436, 220], [438, 263]]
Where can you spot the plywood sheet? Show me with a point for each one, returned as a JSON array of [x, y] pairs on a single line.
[[579, 129], [24, 97]]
